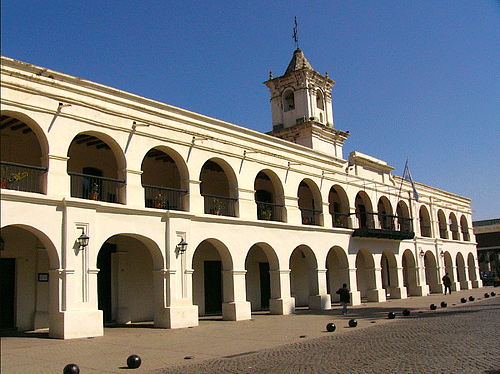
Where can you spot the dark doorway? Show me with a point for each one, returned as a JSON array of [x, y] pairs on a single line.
[[265, 285], [7, 293], [213, 287], [104, 280]]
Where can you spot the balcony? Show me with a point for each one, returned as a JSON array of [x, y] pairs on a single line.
[[22, 177], [91, 187], [269, 212], [310, 216], [383, 226], [164, 198], [340, 220], [220, 205]]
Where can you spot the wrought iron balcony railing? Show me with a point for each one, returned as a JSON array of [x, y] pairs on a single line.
[[220, 205], [91, 187], [269, 212], [21, 177], [310, 216], [164, 198]]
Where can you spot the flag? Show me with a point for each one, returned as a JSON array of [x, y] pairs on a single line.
[[407, 177]]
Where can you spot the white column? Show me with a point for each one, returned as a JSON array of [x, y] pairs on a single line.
[[235, 307], [281, 301], [320, 299]]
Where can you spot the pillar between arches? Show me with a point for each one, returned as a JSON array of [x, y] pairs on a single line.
[[74, 323], [281, 302], [353, 287], [172, 312], [57, 180], [322, 301], [398, 291], [235, 306], [378, 293]]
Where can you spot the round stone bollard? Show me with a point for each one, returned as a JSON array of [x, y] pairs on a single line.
[[486, 295], [463, 300], [391, 315], [71, 369], [353, 323], [331, 327], [133, 361], [433, 306], [406, 312], [493, 293], [444, 304], [471, 298]]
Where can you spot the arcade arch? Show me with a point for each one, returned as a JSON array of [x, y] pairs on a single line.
[[303, 275], [24, 150], [337, 266], [338, 203], [365, 272], [310, 203], [29, 293], [97, 167], [219, 188], [269, 197], [164, 179]]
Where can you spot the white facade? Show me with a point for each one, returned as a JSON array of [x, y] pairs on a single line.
[[270, 223]]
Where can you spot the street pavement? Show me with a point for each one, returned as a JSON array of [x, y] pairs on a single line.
[[461, 338]]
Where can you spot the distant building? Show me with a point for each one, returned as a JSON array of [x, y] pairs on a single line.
[[120, 209], [487, 234]]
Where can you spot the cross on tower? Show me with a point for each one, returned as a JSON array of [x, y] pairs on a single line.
[[295, 38]]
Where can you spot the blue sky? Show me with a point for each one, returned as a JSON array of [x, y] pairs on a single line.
[[417, 79]]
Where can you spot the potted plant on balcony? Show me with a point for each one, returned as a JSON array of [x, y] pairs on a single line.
[[94, 192], [266, 214], [8, 177], [218, 206], [159, 201]]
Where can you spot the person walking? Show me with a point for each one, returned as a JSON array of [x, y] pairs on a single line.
[[345, 297], [447, 283]]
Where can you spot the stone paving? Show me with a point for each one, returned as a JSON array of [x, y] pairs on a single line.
[[462, 338]]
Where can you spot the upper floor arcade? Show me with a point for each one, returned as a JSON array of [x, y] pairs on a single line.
[[67, 138]]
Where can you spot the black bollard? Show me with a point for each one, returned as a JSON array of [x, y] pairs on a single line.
[[71, 369], [463, 300], [471, 298], [353, 323], [493, 293], [433, 307], [391, 315], [406, 312], [331, 327], [443, 304], [486, 295], [133, 361]]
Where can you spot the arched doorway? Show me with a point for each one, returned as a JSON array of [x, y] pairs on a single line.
[[365, 273], [431, 273], [462, 272], [303, 275], [26, 282], [210, 259], [260, 260], [269, 197], [310, 203], [125, 282], [410, 273], [337, 274], [389, 267]]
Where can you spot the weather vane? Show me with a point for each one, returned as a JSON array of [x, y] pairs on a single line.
[[295, 39]]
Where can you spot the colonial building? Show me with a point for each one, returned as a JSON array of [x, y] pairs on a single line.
[[116, 208], [487, 234]]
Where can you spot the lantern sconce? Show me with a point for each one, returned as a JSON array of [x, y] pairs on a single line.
[[182, 246], [83, 241], [422, 254], [441, 254]]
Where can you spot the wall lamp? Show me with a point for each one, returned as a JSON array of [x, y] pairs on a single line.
[[182, 246], [83, 241], [422, 254]]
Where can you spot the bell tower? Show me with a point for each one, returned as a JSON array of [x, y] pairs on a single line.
[[300, 95], [301, 106]]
